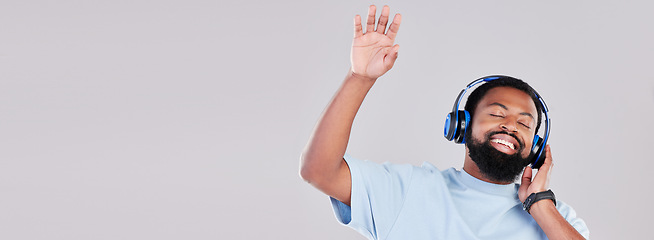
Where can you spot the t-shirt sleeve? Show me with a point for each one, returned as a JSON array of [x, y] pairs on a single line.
[[378, 192], [571, 216]]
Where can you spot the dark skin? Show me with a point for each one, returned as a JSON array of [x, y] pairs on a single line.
[[373, 54], [504, 109]]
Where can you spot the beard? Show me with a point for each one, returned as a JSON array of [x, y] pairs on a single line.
[[492, 163]]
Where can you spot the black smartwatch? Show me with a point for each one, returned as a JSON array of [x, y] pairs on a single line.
[[535, 197]]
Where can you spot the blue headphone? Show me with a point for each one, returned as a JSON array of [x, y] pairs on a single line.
[[457, 123]]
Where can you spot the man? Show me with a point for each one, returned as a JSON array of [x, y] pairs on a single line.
[[391, 201]]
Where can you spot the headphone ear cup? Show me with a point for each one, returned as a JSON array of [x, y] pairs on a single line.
[[537, 157], [462, 125], [450, 126]]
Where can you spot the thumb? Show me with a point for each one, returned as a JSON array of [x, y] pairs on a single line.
[[526, 177], [391, 56], [525, 181]]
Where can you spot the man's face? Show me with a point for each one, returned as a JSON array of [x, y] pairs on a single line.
[[501, 134]]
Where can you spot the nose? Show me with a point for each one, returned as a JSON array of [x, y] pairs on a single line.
[[509, 125]]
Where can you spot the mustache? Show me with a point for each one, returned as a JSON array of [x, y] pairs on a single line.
[[521, 143]]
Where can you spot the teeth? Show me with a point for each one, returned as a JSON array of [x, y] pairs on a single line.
[[508, 144]]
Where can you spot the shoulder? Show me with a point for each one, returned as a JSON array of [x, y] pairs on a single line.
[[566, 210], [403, 170], [571, 217], [429, 170]]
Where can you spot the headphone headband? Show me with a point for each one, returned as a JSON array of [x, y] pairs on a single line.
[[473, 83]]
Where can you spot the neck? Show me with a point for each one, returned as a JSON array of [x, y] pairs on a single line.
[[471, 168]]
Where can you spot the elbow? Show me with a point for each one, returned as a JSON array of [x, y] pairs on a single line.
[[318, 169], [307, 172], [314, 169], [306, 175]]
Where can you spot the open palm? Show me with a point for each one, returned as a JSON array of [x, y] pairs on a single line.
[[373, 52]]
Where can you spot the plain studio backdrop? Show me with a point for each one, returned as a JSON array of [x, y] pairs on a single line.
[[186, 119]]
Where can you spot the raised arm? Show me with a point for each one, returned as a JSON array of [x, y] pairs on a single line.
[[372, 55], [544, 212]]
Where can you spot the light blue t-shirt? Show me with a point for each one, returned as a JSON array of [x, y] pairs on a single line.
[[401, 201]]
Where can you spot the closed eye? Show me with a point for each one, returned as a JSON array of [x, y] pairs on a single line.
[[495, 115], [525, 125]]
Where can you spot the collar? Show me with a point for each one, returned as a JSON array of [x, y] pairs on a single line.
[[486, 187]]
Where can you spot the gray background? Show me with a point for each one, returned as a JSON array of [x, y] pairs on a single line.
[[186, 119]]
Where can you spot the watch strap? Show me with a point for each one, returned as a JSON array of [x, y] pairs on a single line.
[[535, 197]]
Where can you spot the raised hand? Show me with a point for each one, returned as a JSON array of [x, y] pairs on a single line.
[[373, 52], [540, 182]]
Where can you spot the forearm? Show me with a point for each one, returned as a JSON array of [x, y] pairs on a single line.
[[550, 220], [326, 147]]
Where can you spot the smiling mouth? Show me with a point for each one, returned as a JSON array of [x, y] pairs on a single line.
[[503, 142]]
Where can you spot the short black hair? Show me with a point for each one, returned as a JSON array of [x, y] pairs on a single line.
[[504, 81]]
